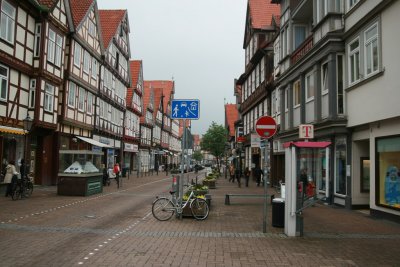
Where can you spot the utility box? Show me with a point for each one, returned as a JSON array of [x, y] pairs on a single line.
[[278, 212]]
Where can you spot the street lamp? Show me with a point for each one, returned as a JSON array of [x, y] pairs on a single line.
[[28, 122]]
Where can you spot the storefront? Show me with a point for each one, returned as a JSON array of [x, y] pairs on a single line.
[[12, 142], [112, 154], [376, 168], [130, 156]]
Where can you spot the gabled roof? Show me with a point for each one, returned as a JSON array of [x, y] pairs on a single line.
[[162, 88], [157, 100], [231, 116], [135, 67], [109, 21], [261, 13], [79, 9], [147, 92]]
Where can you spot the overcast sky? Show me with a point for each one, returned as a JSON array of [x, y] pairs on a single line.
[[197, 42]]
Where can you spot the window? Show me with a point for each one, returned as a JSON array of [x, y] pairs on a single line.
[[86, 61], [89, 103], [71, 95], [94, 68], [51, 43], [340, 165], [32, 89], [371, 49], [7, 25], [296, 94], [354, 61], [77, 55], [324, 79], [299, 35], [387, 172], [81, 101], [310, 91], [92, 30], [54, 48], [351, 3], [48, 97], [286, 100], [340, 85], [38, 31], [3, 83]]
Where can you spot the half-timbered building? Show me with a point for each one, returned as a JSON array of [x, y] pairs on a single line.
[[114, 80], [256, 82], [33, 38], [146, 153], [81, 82], [134, 110]]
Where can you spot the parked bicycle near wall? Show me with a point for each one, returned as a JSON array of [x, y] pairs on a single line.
[[23, 187], [164, 208]]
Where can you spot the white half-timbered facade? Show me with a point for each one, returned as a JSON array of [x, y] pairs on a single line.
[[114, 80]]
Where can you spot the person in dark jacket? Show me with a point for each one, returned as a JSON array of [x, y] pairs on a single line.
[[238, 176], [247, 176], [257, 173]]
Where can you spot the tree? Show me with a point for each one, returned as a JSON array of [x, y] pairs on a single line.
[[197, 155], [214, 141]]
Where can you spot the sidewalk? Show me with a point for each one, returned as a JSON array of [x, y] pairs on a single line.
[[242, 215]]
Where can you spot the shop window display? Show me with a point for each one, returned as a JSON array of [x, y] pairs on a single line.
[[80, 162], [340, 166], [388, 172]]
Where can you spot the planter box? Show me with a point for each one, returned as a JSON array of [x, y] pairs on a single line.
[[209, 183]]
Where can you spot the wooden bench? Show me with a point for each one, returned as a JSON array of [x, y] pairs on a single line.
[[228, 197]]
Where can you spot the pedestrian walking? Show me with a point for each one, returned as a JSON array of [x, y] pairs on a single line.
[[232, 173], [247, 176], [257, 173], [22, 168], [238, 175], [117, 172], [11, 177]]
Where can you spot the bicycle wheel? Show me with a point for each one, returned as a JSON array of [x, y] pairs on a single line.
[[199, 209], [16, 194], [28, 189], [163, 209]]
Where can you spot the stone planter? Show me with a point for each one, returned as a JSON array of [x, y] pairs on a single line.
[[209, 183]]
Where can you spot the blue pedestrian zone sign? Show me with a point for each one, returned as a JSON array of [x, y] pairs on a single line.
[[185, 109]]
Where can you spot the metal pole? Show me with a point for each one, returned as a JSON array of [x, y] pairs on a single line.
[[182, 166], [266, 179]]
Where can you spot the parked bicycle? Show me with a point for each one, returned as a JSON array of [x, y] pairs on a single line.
[[164, 208], [23, 188]]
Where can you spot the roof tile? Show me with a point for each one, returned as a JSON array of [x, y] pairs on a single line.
[[261, 13], [109, 21], [79, 9], [231, 115]]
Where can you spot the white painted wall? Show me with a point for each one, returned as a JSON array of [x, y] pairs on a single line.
[[378, 99]]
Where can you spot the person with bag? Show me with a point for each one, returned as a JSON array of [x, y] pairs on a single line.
[[10, 178], [117, 172]]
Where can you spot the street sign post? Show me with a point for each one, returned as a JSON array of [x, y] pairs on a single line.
[[185, 109], [266, 127]]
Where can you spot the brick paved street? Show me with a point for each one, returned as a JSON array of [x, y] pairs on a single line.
[[116, 228]]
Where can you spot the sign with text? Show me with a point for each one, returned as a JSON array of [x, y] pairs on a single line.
[[255, 140], [306, 131], [185, 109]]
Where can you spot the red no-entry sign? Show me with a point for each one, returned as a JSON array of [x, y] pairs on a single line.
[[266, 127]]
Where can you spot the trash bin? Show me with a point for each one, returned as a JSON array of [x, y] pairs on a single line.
[[278, 212]]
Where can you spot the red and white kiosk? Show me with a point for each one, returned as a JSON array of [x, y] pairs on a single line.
[[304, 160]]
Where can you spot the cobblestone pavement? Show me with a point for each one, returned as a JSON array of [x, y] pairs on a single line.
[[116, 228]]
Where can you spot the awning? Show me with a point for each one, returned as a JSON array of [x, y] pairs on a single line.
[[93, 142], [307, 144], [12, 130]]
